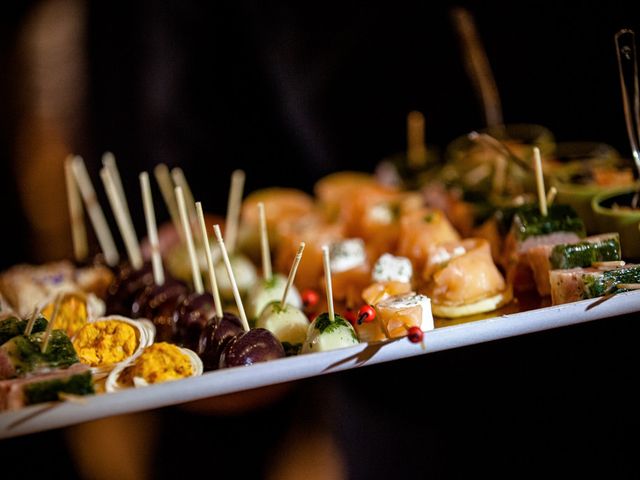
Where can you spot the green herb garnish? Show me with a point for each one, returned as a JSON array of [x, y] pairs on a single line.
[[49, 390], [529, 222], [12, 327]]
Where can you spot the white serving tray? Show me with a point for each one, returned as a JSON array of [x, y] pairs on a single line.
[[61, 414]]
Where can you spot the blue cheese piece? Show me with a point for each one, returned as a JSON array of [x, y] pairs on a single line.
[[382, 213], [347, 254], [390, 268]]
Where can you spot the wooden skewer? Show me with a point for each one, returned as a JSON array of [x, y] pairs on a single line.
[[186, 226], [499, 175], [163, 177], [478, 67], [32, 321], [611, 264], [327, 281], [109, 161], [542, 196], [292, 274], [264, 244], [233, 210], [180, 180], [152, 229], [551, 195], [126, 229], [416, 147], [628, 286], [96, 215], [207, 250], [52, 320], [232, 278], [78, 230], [499, 147]]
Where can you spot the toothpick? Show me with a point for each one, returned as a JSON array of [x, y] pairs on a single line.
[[416, 148], [233, 210], [32, 321], [628, 286], [96, 215], [499, 175], [126, 230], [152, 229], [78, 230], [608, 265], [499, 147], [210, 269], [186, 226], [181, 181], [327, 281], [292, 274], [163, 177], [264, 244], [109, 161], [551, 195], [232, 278], [52, 320], [542, 197], [478, 67]]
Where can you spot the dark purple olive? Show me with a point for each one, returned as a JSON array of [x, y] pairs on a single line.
[[215, 337], [165, 319], [154, 296], [192, 317], [254, 346], [127, 286]]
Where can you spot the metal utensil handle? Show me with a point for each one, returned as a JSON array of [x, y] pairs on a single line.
[[628, 69]]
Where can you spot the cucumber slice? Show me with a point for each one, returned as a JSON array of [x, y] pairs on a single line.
[[12, 327], [25, 356], [529, 222], [597, 284], [601, 248], [49, 390]]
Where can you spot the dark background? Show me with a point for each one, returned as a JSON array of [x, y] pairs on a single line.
[[292, 91]]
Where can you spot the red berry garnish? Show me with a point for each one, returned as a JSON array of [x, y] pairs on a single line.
[[415, 334], [366, 314], [351, 316], [310, 298]]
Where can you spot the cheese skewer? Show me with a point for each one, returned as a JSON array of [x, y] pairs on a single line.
[[264, 244], [126, 229], [163, 177], [186, 225], [292, 274], [52, 321], [327, 281], [542, 196], [180, 180], [78, 230], [109, 161], [152, 229], [233, 210], [234, 285], [207, 250], [416, 147], [96, 215]]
